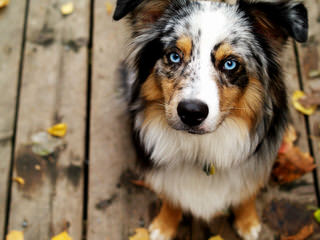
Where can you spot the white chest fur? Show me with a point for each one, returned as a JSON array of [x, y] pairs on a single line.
[[180, 157], [204, 196]]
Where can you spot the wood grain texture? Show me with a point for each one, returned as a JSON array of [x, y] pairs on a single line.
[[11, 28], [111, 154], [309, 56], [53, 90]]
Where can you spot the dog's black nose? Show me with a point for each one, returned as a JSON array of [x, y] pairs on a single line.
[[192, 112]]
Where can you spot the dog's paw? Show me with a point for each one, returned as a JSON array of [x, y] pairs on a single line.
[[251, 233], [156, 234]]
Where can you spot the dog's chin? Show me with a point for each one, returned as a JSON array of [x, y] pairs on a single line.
[[198, 130]]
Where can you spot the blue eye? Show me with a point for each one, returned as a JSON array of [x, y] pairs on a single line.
[[174, 57], [230, 65]]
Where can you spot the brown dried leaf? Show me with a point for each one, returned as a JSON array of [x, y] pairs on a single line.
[[288, 219], [291, 162], [303, 234]]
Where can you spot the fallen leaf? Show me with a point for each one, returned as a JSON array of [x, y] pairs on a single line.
[[316, 215], [3, 3], [314, 74], [19, 180], [62, 236], [311, 99], [43, 144], [15, 235], [67, 8], [140, 234], [303, 234], [109, 8], [218, 237], [291, 162], [58, 130], [296, 98], [291, 220]]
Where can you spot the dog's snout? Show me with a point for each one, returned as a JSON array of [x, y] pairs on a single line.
[[192, 112]]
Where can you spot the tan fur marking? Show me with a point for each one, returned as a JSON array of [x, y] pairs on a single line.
[[222, 52], [246, 215], [185, 45], [245, 105], [150, 90], [250, 103], [168, 220]]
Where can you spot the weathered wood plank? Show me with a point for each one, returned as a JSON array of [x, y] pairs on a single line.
[[309, 56], [53, 90], [11, 28], [111, 155]]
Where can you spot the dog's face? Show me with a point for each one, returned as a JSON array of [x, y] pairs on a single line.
[[200, 63]]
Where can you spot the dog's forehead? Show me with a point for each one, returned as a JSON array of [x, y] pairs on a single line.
[[210, 22]]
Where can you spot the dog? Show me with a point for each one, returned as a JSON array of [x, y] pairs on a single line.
[[207, 101]]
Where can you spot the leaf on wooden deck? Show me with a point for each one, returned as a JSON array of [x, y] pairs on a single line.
[[314, 73], [291, 162], [43, 144], [109, 8], [299, 96], [58, 130], [19, 180], [316, 215], [67, 8], [303, 234], [218, 237], [291, 220], [15, 235], [62, 236], [311, 99], [140, 234], [4, 3]]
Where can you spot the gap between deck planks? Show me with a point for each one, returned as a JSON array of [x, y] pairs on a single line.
[[11, 40], [53, 89], [309, 59]]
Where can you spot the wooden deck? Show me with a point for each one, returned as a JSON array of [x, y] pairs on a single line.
[[56, 68]]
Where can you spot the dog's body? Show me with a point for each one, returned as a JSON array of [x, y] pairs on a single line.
[[205, 90]]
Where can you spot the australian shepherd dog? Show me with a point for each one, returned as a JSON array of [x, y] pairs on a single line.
[[208, 103]]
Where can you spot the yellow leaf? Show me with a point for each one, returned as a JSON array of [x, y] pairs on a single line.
[[297, 105], [316, 215], [58, 130], [3, 3], [15, 235], [19, 180], [216, 238], [109, 8], [141, 234], [62, 236], [67, 8]]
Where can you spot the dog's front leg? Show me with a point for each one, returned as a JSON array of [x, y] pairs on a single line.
[[165, 225], [247, 221]]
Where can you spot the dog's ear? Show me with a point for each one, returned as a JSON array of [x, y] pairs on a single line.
[[141, 11], [124, 7], [278, 20]]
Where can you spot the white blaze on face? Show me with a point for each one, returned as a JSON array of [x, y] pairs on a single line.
[[214, 25]]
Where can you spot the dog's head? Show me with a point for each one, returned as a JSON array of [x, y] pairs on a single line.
[[199, 63]]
